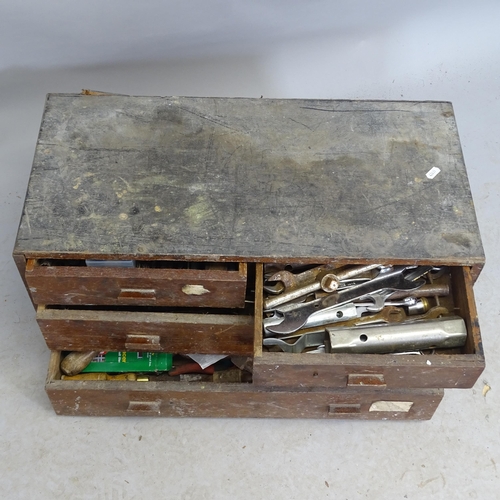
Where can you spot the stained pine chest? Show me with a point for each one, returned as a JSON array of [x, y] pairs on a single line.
[[156, 224]]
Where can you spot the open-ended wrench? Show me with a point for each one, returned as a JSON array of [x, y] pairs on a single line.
[[389, 279], [320, 278], [288, 282], [301, 342], [393, 314], [345, 312], [315, 338], [323, 317]]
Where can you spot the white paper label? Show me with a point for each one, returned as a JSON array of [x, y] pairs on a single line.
[[432, 172], [403, 406], [194, 290], [205, 360]]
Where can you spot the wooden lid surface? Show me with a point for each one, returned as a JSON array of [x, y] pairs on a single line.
[[249, 179]]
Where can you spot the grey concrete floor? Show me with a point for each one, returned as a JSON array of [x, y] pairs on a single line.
[[455, 455]]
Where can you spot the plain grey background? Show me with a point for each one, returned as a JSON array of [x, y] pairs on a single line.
[[421, 50]]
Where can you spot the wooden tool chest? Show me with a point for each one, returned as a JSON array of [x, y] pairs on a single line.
[[189, 202]]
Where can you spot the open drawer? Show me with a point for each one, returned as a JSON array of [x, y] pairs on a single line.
[[74, 329], [153, 283], [82, 329], [192, 399], [457, 368]]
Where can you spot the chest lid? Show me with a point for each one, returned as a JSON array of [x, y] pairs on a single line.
[[250, 179]]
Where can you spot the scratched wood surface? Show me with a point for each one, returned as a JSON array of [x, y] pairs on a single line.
[[183, 333], [191, 399], [251, 179]]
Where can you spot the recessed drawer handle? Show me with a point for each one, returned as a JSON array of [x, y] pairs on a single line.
[[344, 408], [137, 293], [144, 406], [366, 380], [142, 342]]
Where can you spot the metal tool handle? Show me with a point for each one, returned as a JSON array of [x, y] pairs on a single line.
[[418, 335]]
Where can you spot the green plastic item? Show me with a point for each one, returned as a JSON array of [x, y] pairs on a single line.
[[129, 362]]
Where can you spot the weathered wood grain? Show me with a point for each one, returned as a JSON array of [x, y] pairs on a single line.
[[395, 372], [465, 306], [80, 285], [242, 180], [88, 330], [258, 309], [249, 179], [181, 399]]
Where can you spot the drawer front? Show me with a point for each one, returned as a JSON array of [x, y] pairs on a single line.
[[116, 286], [459, 369], [370, 371], [85, 330], [95, 400], [181, 399]]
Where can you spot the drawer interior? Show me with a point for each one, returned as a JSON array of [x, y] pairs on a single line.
[[456, 367], [240, 333], [147, 328], [181, 331], [201, 399]]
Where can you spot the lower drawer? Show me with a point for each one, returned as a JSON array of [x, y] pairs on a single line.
[[186, 399]]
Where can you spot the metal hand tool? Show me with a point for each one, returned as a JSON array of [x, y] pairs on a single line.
[[287, 281], [437, 272], [433, 313], [353, 312], [323, 317], [418, 335], [420, 306], [302, 342], [316, 337], [333, 315], [431, 290], [391, 279], [374, 306], [275, 319], [428, 290], [321, 277], [380, 300], [274, 289], [389, 314], [319, 349]]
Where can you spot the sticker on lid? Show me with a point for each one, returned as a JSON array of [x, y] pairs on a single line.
[[432, 172]]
